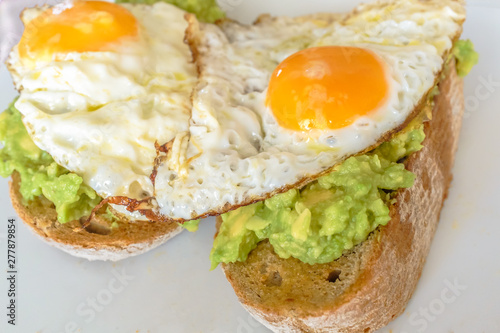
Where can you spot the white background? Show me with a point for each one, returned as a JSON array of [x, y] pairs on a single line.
[[171, 289]]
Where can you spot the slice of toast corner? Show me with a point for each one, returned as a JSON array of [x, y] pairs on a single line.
[[98, 241]]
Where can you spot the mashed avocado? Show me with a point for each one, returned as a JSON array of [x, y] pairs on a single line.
[[328, 216], [466, 56], [40, 175], [205, 10]]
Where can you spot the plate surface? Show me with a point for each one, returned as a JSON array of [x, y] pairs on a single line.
[[171, 289]]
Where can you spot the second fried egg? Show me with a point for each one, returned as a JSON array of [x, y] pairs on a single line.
[[280, 102]]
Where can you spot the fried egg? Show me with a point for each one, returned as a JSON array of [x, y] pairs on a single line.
[[100, 83], [281, 102]]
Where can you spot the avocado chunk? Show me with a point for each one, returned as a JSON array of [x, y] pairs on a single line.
[[465, 56]]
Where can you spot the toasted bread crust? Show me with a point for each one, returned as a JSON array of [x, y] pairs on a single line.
[[370, 285], [130, 238]]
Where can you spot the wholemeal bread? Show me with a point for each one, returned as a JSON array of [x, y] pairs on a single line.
[[100, 240], [371, 284]]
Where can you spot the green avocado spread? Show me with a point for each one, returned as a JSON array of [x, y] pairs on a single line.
[[332, 214], [205, 10], [40, 175]]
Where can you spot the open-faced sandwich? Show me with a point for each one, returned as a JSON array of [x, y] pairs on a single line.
[[347, 126], [100, 84]]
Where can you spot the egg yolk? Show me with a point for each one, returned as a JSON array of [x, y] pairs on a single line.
[[87, 26], [326, 87]]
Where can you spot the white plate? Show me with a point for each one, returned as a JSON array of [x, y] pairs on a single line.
[[171, 288]]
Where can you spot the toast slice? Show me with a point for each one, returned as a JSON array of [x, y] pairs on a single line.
[[371, 284], [101, 240]]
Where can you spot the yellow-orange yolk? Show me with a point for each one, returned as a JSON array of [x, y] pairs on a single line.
[[326, 87], [87, 26]]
